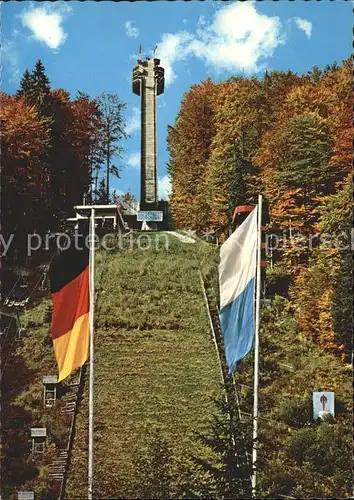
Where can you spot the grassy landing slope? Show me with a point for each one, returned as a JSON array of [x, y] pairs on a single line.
[[155, 365]]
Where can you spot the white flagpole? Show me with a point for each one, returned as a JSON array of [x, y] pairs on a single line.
[[256, 350], [92, 307]]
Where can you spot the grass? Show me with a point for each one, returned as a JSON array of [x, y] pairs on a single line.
[[156, 372], [155, 366], [291, 368]]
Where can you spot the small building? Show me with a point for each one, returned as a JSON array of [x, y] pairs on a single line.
[[106, 216], [25, 495], [130, 209], [49, 390], [127, 215], [39, 439]]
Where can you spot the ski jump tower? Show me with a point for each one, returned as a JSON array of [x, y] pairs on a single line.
[[148, 83]]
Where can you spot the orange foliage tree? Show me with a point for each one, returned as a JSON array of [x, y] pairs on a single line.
[[189, 144], [322, 290], [24, 139]]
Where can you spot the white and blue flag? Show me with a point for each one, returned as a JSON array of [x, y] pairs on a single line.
[[237, 276]]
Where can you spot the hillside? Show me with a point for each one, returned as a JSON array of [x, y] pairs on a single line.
[[156, 386], [156, 371], [165, 427], [288, 137], [151, 400], [298, 457]]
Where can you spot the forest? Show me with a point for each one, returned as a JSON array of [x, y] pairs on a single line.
[[285, 136], [289, 138], [55, 150]]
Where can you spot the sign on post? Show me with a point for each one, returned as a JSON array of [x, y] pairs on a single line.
[[323, 404], [25, 495], [149, 216]]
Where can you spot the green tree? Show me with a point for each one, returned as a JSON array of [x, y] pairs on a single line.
[[306, 154], [342, 305], [35, 88], [113, 131], [336, 221], [25, 85], [101, 195], [241, 170], [315, 74], [154, 466], [231, 442], [319, 456], [322, 292]]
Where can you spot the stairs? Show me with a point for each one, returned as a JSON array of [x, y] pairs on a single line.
[[70, 399], [57, 468]]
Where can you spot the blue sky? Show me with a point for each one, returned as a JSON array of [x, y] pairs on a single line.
[[92, 47]]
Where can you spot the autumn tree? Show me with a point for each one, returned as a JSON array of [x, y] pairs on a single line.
[[50, 146], [25, 138], [189, 144], [322, 292], [86, 137], [277, 85], [240, 119]]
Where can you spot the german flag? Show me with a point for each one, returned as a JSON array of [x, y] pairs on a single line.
[[70, 290]]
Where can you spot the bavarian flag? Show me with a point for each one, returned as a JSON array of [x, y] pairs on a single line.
[[237, 276], [70, 290]]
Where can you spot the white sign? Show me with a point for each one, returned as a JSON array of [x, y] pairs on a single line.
[[150, 216], [323, 404], [25, 495]]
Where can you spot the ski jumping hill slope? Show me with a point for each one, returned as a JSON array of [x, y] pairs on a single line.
[[156, 369]]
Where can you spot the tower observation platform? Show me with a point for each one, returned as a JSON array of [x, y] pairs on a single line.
[[148, 83]]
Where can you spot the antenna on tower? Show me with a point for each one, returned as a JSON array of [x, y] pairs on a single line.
[[155, 50], [140, 51]]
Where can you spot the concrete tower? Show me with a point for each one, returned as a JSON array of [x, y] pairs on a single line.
[[148, 82]]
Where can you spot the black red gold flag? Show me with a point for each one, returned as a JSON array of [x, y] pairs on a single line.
[[70, 291]]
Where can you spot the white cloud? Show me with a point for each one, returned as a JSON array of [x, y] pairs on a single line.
[[237, 38], [164, 187], [133, 122], [131, 30], [173, 47], [133, 160], [45, 23], [304, 25], [202, 21]]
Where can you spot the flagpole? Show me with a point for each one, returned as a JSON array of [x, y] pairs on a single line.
[[92, 305], [256, 350]]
